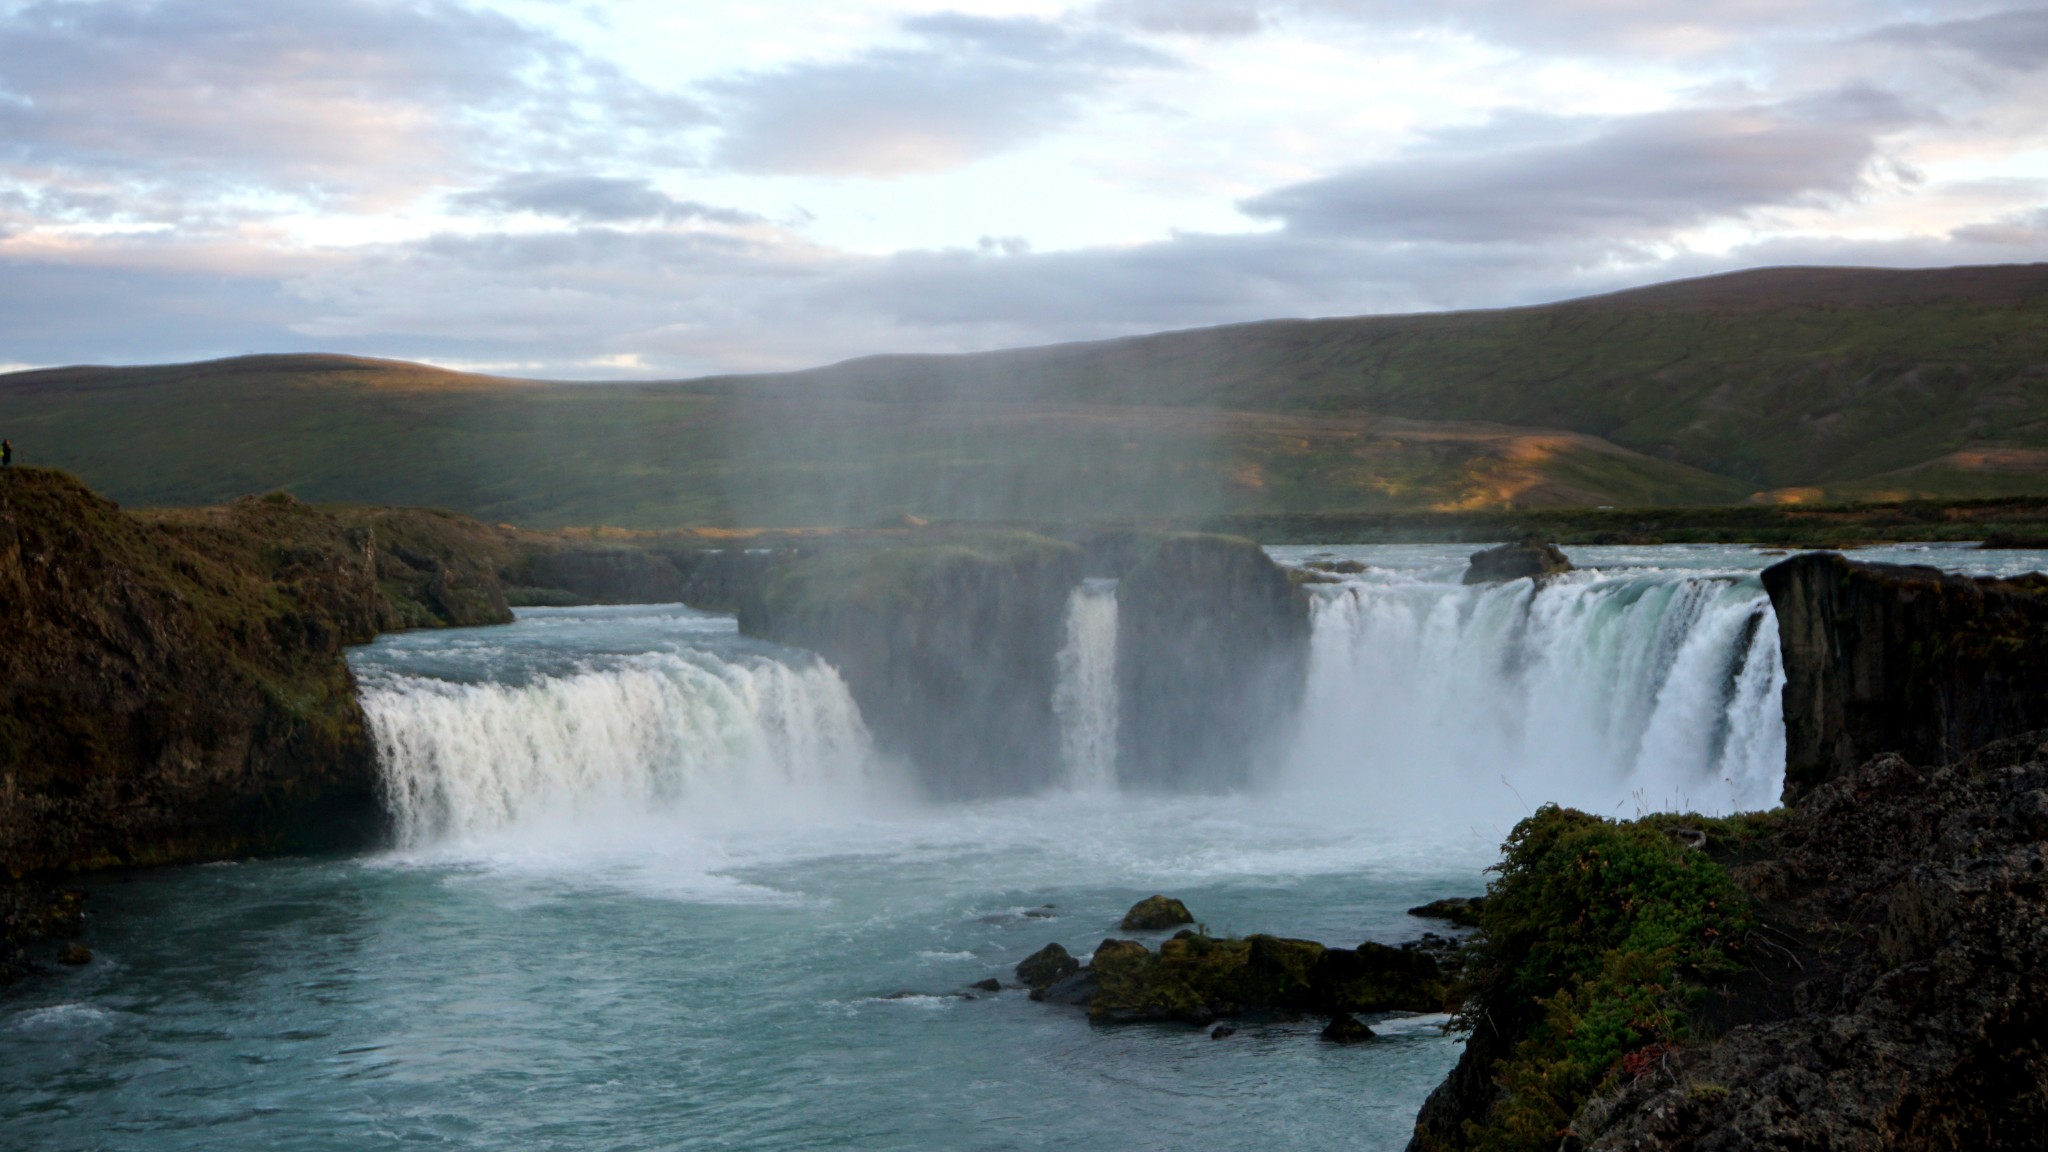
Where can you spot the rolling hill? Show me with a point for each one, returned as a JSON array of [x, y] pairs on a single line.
[[1779, 384]]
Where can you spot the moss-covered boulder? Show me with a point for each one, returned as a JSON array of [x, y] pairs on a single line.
[[1460, 910], [1048, 965], [949, 643], [1198, 978], [1156, 913]]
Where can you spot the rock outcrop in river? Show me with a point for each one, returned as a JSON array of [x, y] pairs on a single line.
[[1532, 557], [1212, 660], [172, 685], [950, 647], [1885, 658]]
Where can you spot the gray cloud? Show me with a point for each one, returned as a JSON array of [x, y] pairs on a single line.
[[967, 88], [1627, 179], [1217, 18], [325, 97], [1675, 28], [593, 200], [2016, 40]]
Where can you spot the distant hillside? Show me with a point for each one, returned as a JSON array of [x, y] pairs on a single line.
[[1788, 383]]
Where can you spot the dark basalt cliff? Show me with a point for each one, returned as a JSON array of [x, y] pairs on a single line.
[[1883, 984], [1899, 996], [173, 687], [949, 646], [1884, 658], [1212, 658]]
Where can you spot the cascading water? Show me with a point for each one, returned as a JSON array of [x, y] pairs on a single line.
[[1085, 698], [710, 725], [1655, 689]]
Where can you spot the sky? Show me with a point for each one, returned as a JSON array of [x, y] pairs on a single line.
[[660, 188]]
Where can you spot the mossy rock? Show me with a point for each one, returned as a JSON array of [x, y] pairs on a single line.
[[1048, 965], [1156, 913], [1460, 910]]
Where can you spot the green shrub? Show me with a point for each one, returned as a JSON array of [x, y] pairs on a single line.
[[1600, 939]]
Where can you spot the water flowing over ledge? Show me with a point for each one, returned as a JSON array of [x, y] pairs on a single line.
[[1427, 700], [691, 730], [1085, 698], [1638, 690]]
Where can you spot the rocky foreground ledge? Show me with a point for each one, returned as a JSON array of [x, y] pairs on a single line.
[[1867, 969]]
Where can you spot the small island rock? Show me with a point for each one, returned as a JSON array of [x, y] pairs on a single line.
[[1155, 913], [1048, 965], [1345, 1028], [1531, 556], [1460, 910]]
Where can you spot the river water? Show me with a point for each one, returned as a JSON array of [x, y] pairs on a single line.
[[653, 887]]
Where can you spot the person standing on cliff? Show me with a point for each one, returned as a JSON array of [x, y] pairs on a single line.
[[6, 453]]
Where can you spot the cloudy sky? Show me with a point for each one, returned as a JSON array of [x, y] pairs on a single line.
[[644, 187]]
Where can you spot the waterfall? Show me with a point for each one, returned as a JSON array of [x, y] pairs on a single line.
[[1084, 697], [656, 731], [1638, 691]]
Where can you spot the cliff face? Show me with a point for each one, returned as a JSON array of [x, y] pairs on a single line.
[[950, 648], [1905, 1002], [1878, 983], [173, 687], [1212, 657], [1882, 658]]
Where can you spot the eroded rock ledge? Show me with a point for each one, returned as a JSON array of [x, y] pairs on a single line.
[[173, 686], [1881, 983], [1888, 658]]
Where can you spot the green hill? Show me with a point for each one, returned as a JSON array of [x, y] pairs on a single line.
[[1792, 384]]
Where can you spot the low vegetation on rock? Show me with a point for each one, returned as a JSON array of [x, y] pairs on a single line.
[[1600, 942]]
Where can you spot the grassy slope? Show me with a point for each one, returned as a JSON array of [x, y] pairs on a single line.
[[1838, 384], [1778, 377]]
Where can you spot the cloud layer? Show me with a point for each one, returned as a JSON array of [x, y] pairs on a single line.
[[450, 181]]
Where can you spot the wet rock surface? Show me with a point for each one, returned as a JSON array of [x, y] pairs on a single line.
[[949, 643], [1048, 965], [1212, 661], [1889, 658], [1156, 913], [1199, 979], [1460, 910], [1531, 557]]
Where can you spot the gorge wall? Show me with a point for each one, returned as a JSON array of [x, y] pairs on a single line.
[[172, 686], [1212, 660], [1886, 658], [951, 643]]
